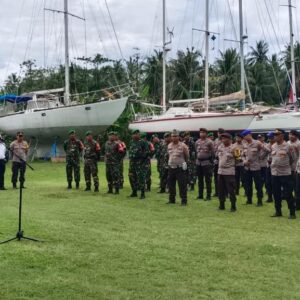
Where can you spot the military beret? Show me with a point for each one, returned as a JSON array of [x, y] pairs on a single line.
[[246, 132], [88, 133], [221, 130], [143, 134], [210, 134], [294, 132], [167, 134], [226, 135], [135, 131], [203, 130], [71, 131], [175, 132], [279, 131], [270, 134]]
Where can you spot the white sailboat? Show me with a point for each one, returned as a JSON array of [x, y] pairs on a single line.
[[186, 118], [42, 116], [288, 118]]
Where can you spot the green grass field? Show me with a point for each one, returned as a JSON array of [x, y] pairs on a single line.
[[100, 246]]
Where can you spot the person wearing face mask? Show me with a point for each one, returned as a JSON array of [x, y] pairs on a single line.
[[73, 148], [91, 157], [19, 150]]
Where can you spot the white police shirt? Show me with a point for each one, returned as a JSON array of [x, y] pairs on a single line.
[[2, 150]]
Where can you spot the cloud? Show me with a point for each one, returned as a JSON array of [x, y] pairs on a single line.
[[138, 24]]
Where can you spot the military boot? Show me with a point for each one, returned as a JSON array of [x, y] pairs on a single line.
[[233, 207], [88, 187], [133, 194], [192, 187], [77, 185], [96, 190], [142, 195], [110, 189], [259, 203], [69, 185], [222, 205], [117, 191]]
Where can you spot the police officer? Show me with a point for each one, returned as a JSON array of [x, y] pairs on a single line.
[[178, 158], [281, 167], [19, 149], [239, 166], [3, 159], [295, 145], [91, 158], [205, 154], [252, 152], [157, 150], [263, 159], [217, 143], [164, 160], [73, 148], [138, 153], [192, 160], [271, 137], [114, 151], [227, 155]]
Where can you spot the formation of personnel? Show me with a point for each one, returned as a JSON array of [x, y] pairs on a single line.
[[273, 165]]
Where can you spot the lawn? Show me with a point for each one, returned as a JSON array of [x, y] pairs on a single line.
[[100, 246]]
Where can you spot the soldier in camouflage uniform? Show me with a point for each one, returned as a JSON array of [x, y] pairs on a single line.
[[73, 148], [157, 151], [91, 157], [138, 153], [150, 155], [163, 161], [192, 160], [122, 156], [113, 158]]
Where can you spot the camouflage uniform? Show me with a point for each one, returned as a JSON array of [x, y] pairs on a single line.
[[163, 161], [191, 163], [113, 159], [121, 165], [73, 149], [91, 156], [138, 153], [150, 153]]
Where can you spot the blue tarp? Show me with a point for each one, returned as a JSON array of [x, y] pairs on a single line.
[[14, 99]]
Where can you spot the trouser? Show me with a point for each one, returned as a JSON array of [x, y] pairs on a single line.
[[227, 185], [163, 178], [191, 173], [216, 169], [298, 191], [2, 172], [293, 179], [269, 183], [113, 176], [91, 170], [282, 188], [121, 172], [180, 176], [137, 175], [16, 168], [249, 177], [239, 178], [73, 167], [148, 174], [263, 172], [204, 173]]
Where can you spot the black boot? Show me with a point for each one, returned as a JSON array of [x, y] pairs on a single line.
[[192, 187], [222, 205], [88, 187], [117, 191], [69, 185], [233, 207], [200, 197], [110, 189], [259, 203], [96, 190], [77, 185], [142, 195], [133, 194], [162, 191]]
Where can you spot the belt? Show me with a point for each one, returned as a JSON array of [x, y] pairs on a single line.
[[175, 167]]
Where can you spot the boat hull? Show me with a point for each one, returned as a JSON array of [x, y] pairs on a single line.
[[286, 121], [230, 122], [45, 124]]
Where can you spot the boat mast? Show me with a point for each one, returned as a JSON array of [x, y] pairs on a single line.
[[67, 57], [292, 52], [207, 33], [164, 102], [242, 51]]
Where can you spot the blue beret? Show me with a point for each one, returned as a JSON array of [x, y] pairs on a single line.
[[246, 132], [270, 134]]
